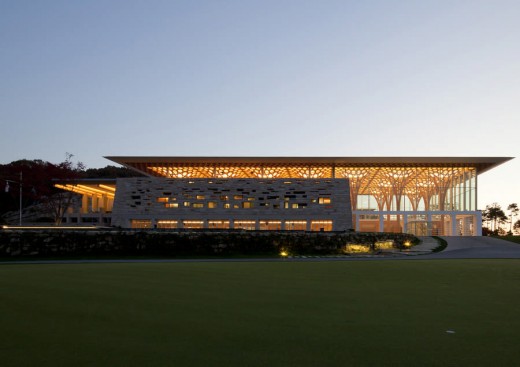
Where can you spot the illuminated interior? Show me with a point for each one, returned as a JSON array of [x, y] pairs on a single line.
[[89, 189], [166, 224], [97, 200]]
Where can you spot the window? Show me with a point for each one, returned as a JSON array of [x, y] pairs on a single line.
[[193, 224], [218, 224], [369, 217], [296, 225], [166, 224], [324, 200], [247, 205], [249, 225], [162, 200], [270, 225], [171, 205], [198, 205], [238, 197], [201, 197], [140, 223], [321, 225], [212, 204], [186, 203], [298, 205], [224, 198], [227, 206]]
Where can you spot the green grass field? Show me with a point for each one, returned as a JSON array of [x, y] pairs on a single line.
[[353, 313], [515, 239]]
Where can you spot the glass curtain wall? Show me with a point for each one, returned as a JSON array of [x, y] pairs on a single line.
[[424, 191]]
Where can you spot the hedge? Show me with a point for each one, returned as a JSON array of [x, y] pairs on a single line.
[[72, 243]]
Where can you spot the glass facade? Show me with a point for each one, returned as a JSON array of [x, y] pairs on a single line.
[[413, 188], [418, 200]]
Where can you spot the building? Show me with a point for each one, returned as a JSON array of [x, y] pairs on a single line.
[[419, 195]]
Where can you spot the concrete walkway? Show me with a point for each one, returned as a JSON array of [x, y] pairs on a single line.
[[477, 248], [427, 245]]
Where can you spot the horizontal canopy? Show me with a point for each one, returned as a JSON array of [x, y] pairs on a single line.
[[152, 166]]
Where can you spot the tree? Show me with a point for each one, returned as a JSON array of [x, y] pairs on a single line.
[[38, 187], [513, 208], [37, 184], [31, 176], [58, 201], [111, 172], [495, 214]]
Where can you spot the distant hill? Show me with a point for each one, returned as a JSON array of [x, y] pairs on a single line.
[[110, 172]]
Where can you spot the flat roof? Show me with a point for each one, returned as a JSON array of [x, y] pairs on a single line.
[[481, 163]]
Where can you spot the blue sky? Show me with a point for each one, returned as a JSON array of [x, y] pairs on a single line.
[[263, 78]]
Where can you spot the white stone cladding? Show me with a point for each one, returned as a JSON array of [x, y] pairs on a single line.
[[153, 200]]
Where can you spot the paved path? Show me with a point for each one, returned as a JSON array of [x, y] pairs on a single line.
[[477, 248]]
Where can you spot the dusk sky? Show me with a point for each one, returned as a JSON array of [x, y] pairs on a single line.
[[263, 78]]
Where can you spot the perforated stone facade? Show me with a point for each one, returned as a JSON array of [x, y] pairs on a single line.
[[255, 204]]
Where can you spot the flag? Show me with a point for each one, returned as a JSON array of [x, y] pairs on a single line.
[[6, 186]]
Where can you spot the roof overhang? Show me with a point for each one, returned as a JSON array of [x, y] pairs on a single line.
[[482, 164], [86, 186]]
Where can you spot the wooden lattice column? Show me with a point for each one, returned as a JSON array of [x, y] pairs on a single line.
[[417, 188], [441, 177], [383, 195], [398, 178], [357, 180]]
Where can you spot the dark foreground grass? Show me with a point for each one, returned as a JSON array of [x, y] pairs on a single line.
[[366, 313], [515, 239]]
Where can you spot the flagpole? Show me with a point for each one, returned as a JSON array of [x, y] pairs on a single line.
[[20, 198], [21, 185]]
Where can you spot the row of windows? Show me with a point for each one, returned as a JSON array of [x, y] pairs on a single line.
[[321, 200], [263, 225], [451, 200], [165, 199], [242, 205]]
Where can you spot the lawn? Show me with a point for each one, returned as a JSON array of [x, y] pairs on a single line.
[[515, 239], [352, 313]]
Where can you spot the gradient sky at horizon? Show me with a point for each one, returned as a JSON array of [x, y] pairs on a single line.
[[263, 78]]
